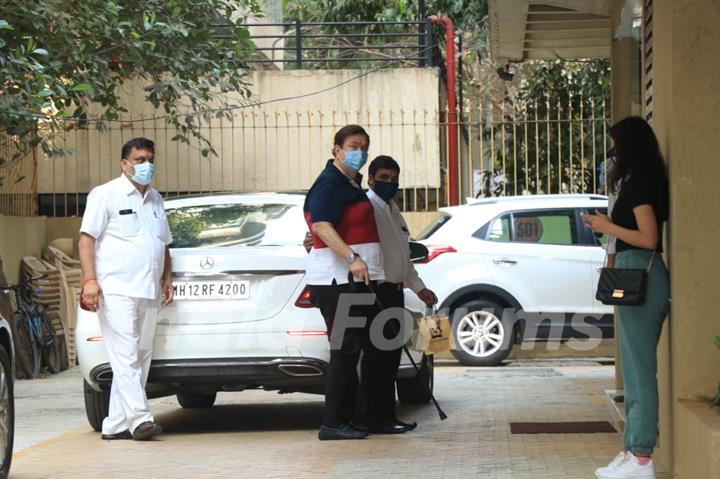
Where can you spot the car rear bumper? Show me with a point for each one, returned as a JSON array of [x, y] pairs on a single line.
[[228, 374]]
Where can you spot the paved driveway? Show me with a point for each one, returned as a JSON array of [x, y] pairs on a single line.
[[260, 434]]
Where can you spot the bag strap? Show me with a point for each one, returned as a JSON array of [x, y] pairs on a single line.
[[607, 251], [652, 258]]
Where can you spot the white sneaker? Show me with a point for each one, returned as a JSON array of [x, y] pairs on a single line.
[[630, 469], [619, 459]]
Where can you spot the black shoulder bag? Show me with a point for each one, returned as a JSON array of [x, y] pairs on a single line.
[[623, 287]]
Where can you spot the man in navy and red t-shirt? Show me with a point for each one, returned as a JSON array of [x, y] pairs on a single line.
[[342, 224]]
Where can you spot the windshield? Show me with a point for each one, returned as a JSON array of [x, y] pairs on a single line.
[[236, 224], [435, 225]]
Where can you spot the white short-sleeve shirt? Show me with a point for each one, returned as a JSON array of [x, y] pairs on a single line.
[[131, 233]]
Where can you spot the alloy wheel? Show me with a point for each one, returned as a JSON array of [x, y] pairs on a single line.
[[480, 333]]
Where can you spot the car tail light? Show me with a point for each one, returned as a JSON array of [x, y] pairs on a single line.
[[303, 301], [436, 250]]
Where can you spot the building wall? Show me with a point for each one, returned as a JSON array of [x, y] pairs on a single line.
[[685, 117], [662, 122], [280, 145], [685, 88], [19, 236]]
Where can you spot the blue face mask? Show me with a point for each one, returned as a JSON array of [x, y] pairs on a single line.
[[385, 189], [355, 159], [144, 173]]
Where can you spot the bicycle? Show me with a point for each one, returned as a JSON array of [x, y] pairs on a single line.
[[33, 333]]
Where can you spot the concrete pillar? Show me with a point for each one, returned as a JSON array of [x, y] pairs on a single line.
[[686, 86], [694, 144]]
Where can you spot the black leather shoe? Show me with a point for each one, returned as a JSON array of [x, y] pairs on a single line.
[[345, 431], [113, 437], [359, 427], [387, 427], [146, 430], [407, 425]]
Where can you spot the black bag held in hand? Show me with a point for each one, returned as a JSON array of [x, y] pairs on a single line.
[[623, 287]]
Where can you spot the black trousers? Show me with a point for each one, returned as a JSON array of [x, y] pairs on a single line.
[[380, 366], [341, 384]]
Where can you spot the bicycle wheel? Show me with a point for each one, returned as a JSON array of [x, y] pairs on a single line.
[[27, 354], [49, 346]]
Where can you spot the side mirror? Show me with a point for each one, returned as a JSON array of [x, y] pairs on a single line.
[[418, 252]]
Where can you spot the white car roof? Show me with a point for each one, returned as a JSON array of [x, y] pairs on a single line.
[[233, 198], [469, 217], [507, 203]]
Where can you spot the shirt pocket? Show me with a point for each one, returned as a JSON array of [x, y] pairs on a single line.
[[128, 225]]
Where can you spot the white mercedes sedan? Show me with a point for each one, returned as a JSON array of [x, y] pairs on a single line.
[[241, 318]]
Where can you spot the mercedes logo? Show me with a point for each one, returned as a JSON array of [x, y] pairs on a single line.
[[207, 262]]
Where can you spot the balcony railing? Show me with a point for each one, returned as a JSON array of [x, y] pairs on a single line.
[[305, 45]]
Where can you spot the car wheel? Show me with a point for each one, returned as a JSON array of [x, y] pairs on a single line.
[[196, 400], [418, 389], [7, 413], [482, 336], [97, 405]]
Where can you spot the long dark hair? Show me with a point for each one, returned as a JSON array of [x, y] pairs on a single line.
[[638, 158]]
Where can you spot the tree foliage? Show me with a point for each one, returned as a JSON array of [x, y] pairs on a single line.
[[63, 62], [465, 13], [574, 85]]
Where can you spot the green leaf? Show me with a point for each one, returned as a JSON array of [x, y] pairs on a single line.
[[40, 51], [46, 93], [717, 341], [81, 87], [4, 25]]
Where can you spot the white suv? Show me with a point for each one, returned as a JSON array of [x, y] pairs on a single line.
[[241, 318], [514, 268]]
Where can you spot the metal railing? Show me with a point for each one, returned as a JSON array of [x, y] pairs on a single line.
[[302, 45], [546, 147], [549, 146], [18, 187]]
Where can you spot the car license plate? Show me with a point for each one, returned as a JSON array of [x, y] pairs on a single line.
[[212, 289]]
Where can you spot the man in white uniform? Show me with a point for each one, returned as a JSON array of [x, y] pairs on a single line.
[[126, 267]]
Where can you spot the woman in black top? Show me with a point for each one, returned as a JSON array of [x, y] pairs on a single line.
[[637, 221], [637, 224]]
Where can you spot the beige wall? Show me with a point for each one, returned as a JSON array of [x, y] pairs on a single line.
[[686, 86], [278, 146], [19, 236], [662, 122], [697, 439], [693, 151], [62, 228], [417, 221], [686, 89]]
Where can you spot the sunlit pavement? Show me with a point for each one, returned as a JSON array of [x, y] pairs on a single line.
[[260, 434]]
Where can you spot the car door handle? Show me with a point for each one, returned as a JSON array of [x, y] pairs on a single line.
[[504, 261]]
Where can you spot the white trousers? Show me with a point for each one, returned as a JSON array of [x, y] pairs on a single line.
[[128, 325]]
